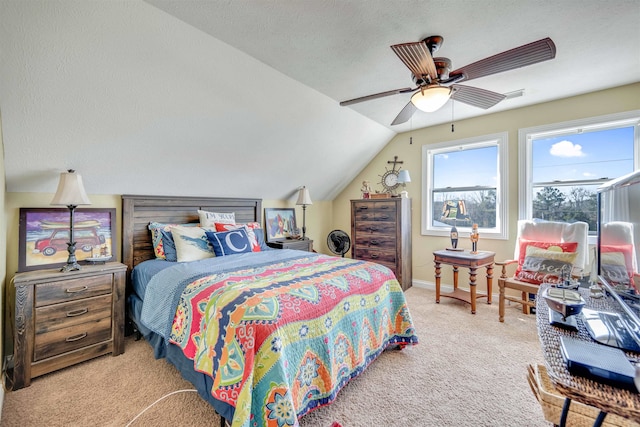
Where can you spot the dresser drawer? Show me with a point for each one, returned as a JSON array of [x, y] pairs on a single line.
[[74, 337], [377, 211], [70, 290], [379, 257], [376, 240], [376, 255], [67, 314], [380, 227]]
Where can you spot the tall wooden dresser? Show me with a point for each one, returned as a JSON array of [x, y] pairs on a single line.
[[381, 232]]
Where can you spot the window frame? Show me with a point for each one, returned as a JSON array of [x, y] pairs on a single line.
[[525, 151], [501, 140]]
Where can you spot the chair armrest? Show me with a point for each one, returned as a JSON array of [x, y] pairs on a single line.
[[504, 264]]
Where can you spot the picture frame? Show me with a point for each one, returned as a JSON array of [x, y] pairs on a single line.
[[280, 224], [44, 233]]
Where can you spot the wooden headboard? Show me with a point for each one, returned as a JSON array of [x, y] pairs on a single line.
[[139, 211]]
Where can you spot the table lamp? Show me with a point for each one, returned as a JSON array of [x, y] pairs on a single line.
[[303, 200], [71, 194]]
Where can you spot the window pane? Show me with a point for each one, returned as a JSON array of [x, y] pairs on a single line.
[[568, 203], [451, 168], [464, 208], [583, 156]]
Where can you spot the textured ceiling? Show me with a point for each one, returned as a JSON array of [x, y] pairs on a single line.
[[241, 98], [341, 48]]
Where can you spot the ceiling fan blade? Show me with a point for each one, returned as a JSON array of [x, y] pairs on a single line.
[[417, 58], [405, 114], [528, 54], [475, 96], [377, 95]]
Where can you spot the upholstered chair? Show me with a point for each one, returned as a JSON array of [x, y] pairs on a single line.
[[545, 252]]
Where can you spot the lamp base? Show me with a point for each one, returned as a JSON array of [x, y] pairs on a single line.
[[74, 266]]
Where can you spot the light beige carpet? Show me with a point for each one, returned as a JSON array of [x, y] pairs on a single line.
[[468, 370]]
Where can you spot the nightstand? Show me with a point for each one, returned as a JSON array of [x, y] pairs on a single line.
[[60, 319], [301, 245]]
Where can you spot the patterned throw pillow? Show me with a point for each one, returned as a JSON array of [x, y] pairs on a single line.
[[249, 228], [230, 242], [616, 264], [560, 247], [208, 219], [192, 243], [161, 232], [546, 265]]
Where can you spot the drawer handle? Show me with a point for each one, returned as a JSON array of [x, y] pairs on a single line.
[[78, 312], [375, 242], [78, 289], [76, 337], [374, 256], [384, 216], [363, 208], [373, 228], [384, 207]]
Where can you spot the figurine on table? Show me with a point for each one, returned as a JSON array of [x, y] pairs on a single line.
[[474, 236]]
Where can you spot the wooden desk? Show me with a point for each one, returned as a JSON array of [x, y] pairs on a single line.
[[608, 399], [472, 262]]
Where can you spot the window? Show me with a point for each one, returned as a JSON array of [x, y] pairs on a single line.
[[465, 182], [562, 165]]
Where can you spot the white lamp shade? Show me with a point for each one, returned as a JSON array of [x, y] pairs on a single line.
[[403, 176], [303, 197], [70, 190], [431, 99]]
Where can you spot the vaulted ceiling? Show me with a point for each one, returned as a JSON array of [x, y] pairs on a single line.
[[241, 98]]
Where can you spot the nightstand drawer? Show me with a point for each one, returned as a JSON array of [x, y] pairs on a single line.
[[60, 316], [69, 290], [72, 338]]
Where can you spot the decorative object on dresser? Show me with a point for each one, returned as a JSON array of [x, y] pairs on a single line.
[[403, 178], [60, 320], [304, 199], [389, 179], [71, 194], [44, 234], [381, 232]]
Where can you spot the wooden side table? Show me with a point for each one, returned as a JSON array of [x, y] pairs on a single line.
[[472, 262]]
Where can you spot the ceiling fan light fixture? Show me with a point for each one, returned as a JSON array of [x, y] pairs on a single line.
[[431, 98]]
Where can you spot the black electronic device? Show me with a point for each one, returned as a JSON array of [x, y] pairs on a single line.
[[598, 362]]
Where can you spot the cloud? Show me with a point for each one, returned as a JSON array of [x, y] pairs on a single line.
[[566, 149], [588, 174]]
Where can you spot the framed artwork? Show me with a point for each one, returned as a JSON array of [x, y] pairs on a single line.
[[44, 233], [280, 224]]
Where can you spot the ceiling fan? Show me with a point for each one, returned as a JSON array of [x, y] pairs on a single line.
[[436, 83]]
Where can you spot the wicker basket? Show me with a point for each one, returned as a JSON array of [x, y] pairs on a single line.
[[551, 402], [380, 196]]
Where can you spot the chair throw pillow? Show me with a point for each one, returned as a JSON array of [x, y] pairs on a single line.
[[545, 265], [230, 242], [616, 264]]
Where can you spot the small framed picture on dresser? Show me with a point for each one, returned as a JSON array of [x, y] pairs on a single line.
[[44, 234]]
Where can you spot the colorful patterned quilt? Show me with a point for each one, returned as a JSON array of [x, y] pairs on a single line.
[[281, 339]]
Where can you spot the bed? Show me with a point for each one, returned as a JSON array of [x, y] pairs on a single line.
[[267, 336]]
